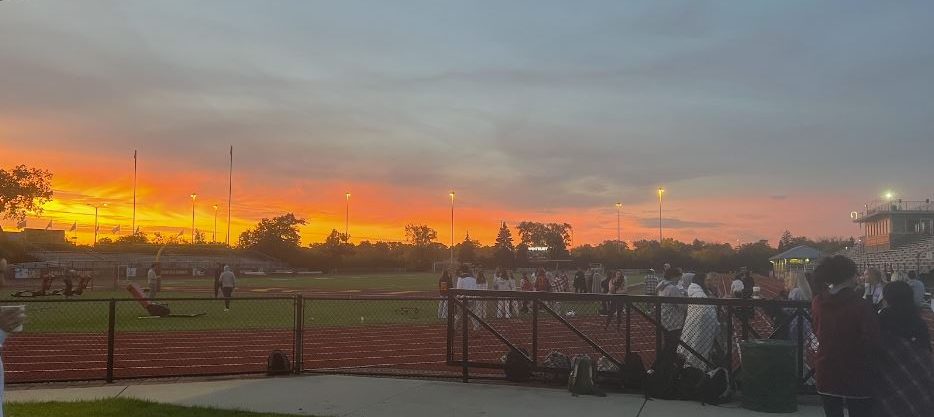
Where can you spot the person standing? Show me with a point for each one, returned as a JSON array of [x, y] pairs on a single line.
[[905, 383], [152, 279], [650, 287], [501, 283], [482, 306], [800, 291], [228, 283], [616, 286], [466, 282], [848, 338], [525, 285], [3, 268], [874, 288], [10, 319], [917, 288], [218, 269], [444, 284], [673, 315], [580, 281], [700, 325], [737, 287]]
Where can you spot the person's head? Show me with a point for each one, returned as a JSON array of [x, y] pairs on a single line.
[[912, 275], [874, 276], [700, 279], [672, 274], [899, 296], [803, 283], [525, 276], [153, 266], [481, 278], [226, 268], [835, 270]]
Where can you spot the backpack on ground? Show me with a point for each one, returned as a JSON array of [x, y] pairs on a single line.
[[716, 387], [689, 384], [608, 372], [661, 381], [557, 366], [580, 381], [516, 366], [278, 363], [633, 372]]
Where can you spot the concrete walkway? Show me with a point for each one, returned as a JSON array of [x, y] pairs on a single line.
[[377, 397]]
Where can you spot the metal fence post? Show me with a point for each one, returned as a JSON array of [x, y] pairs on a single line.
[[111, 325], [535, 331], [658, 328], [800, 345], [628, 328], [465, 319], [299, 334]]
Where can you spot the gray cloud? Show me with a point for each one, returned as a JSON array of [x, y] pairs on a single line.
[[673, 223]]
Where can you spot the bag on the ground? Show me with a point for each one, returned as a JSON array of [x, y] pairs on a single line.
[[689, 384], [633, 372], [716, 387], [580, 381], [278, 363], [557, 366], [661, 382], [516, 366]]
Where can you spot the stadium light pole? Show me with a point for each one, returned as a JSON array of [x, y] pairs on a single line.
[[214, 235], [661, 192], [193, 197], [347, 217], [619, 245], [452, 228], [96, 208]]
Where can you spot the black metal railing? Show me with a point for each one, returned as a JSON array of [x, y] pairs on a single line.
[[612, 327]]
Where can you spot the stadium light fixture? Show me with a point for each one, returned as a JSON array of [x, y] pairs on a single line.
[[619, 245], [661, 192], [193, 197]]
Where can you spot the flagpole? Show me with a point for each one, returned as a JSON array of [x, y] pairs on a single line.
[[229, 193], [133, 227]]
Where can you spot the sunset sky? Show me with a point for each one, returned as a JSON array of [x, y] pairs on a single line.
[[756, 117]]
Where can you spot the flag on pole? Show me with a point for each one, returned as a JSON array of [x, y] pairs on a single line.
[[74, 226], [49, 226], [21, 224], [116, 229]]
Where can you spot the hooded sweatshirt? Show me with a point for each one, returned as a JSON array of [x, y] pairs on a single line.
[[228, 279], [847, 333]]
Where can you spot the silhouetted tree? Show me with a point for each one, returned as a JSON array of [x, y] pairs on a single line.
[[278, 237], [23, 190], [504, 253]]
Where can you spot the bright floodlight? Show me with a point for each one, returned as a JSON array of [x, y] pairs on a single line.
[[193, 196], [618, 205], [889, 195]]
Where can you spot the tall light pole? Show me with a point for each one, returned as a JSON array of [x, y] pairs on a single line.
[[347, 217], [96, 207], [193, 197], [452, 228], [214, 235], [661, 192], [619, 244]]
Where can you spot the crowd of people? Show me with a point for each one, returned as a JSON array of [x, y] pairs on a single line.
[[873, 349]]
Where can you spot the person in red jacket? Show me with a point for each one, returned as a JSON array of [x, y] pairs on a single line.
[[848, 335]]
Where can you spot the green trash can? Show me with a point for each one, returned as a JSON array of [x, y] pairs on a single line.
[[769, 376]]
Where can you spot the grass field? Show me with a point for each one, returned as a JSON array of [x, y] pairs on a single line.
[[119, 407], [92, 316]]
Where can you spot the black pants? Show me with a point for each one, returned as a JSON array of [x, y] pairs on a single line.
[[671, 339], [833, 406], [228, 292]]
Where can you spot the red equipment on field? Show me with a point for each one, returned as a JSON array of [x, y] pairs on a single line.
[[151, 308]]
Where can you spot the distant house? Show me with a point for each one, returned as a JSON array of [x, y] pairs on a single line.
[[36, 236], [797, 258]]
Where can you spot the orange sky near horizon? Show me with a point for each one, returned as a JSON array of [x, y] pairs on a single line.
[[378, 212]]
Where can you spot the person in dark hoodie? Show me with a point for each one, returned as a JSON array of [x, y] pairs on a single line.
[[847, 332], [904, 386]]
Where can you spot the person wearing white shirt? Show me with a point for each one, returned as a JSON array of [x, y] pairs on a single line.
[[152, 279], [228, 283], [500, 283], [466, 282], [737, 287], [10, 319]]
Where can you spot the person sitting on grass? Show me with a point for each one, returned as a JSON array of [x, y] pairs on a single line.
[[905, 372]]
